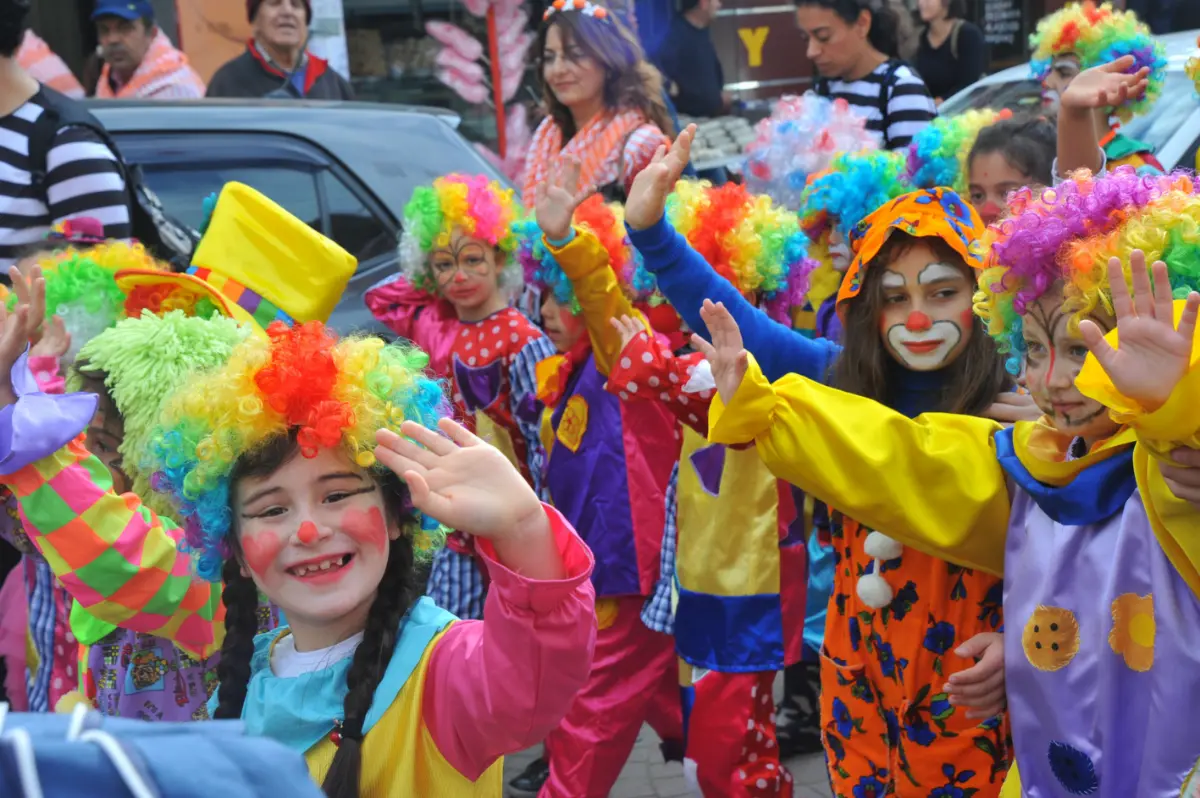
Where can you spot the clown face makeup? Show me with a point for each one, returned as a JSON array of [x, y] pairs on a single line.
[[926, 320], [466, 274], [563, 328], [992, 178], [1063, 70], [314, 538], [1053, 359], [839, 252]]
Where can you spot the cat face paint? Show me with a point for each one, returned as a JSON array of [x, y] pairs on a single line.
[[926, 320], [1053, 359]]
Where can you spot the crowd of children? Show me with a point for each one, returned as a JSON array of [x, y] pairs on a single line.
[[837, 422]]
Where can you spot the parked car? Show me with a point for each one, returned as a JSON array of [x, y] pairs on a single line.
[[345, 168], [1172, 126]]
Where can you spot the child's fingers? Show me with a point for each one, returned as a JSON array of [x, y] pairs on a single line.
[[1143, 295], [704, 347], [403, 447], [1164, 303], [973, 691], [1122, 302], [428, 438], [1093, 337], [458, 433], [990, 711], [1187, 319]]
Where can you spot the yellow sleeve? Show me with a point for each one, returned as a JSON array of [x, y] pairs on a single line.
[[932, 482], [1175, 425], [585, 262]]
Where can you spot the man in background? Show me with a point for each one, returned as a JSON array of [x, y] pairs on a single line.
[[139, 59], [276, 62], [688, 60]]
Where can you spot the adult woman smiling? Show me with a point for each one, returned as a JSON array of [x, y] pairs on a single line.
[[604, 101]]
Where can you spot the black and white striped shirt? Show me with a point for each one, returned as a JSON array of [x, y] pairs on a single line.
[[909, 105], [82, 179]]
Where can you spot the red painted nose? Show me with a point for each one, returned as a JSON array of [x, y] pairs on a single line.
[[918, 322], [307, 533]]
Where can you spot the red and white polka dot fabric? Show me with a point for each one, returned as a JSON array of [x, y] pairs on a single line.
[[648, 370]]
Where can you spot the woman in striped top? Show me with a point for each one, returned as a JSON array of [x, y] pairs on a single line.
[[604, 101], [854, 46]]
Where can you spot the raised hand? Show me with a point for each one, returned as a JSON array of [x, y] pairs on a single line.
[[20, 327], [1152, 355], [980, 688], [55, 340], [728, 358], [556, 199], [648, 195], [628, 328], [1105, 86]]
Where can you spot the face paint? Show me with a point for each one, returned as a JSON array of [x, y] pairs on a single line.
[[925, 301], [307, 533], [366, 527], [260, 550], [918, 322]]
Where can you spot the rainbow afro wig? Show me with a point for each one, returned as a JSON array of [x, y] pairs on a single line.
[[332, 392], [851, 189], [480, 208], [142, 361], [753, 243], [800, 139], [937, 156], [80, 287], [1100, 35], [1066, 236], [606, 221]]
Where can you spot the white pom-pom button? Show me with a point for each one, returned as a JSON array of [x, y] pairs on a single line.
[[881, 547], [874, 591]]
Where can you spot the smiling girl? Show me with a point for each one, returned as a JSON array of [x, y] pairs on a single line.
[[453, 299], [903, 628], [604, 101], [274, 465], [1100, 560]]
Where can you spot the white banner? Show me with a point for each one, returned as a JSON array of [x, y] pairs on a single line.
[[327, 35]]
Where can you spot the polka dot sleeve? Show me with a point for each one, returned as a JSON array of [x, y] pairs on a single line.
[[647, 370]]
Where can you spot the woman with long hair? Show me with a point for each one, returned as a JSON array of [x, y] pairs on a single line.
[[604, 101], [952, 53], [855, 46]]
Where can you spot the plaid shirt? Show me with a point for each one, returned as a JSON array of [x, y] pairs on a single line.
[[657, 612], [456, 584], [118, 558]]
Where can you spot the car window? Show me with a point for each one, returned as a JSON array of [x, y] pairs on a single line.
[[1017, 96], [352, 224], [183, 189]]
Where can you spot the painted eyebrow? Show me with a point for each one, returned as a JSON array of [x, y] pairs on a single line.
[[941, 278]]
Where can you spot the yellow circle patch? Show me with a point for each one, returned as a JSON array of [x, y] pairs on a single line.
[[1051, 638]]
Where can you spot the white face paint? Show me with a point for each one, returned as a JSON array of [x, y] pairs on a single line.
[[926, 308], [839, 252]]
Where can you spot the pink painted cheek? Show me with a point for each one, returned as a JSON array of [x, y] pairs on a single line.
[[261, 549], [967, 318], [307, 533], [366, 527]]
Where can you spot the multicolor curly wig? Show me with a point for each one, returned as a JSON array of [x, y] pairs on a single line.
[[80, 287], [1067, 235], [142, 360], [604, 220], [479, 207], [1100, 35], [938, 155], [850, 191], [331, 392], [750, 241], [1192, 68], [800, 139]]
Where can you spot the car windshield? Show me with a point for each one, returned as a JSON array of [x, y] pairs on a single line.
[[1177, 101]]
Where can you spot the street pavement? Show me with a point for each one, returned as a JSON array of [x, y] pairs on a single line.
[[646, 776]]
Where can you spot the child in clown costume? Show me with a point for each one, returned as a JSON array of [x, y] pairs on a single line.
[[273, 462], [1081, 36], [453, 299], [739, 616], [609, 471], [1100, 559], [903, 629], [177, 324]]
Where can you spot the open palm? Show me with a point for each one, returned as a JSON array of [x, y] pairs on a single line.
[[648, 195], [21, 326], [725, 354], [557, 198], [460, 480], [1152, 354], [1106, 85]]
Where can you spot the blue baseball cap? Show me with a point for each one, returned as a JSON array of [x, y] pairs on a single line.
[[125, 9]]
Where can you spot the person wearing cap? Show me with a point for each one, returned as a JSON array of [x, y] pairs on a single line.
[[277, 63], [139, 59]]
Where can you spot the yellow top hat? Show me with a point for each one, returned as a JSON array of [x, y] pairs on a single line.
[[257, 263]]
